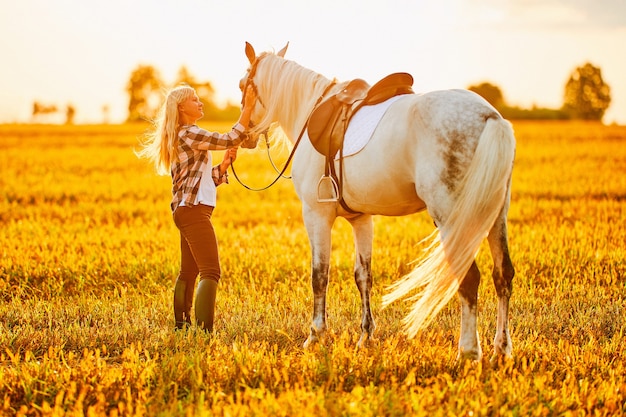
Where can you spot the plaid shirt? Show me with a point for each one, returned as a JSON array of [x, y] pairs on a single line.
[[192, 157]]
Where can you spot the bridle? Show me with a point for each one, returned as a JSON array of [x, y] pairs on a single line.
[[250, 82]]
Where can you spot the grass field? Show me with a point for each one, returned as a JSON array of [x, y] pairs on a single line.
[[89, 252]]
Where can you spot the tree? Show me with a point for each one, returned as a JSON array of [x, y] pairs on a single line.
[[144, 90], [40, 108], [204, 90], [586, 96], [106, 110], [489, 92], [44, 113], [70, 112]]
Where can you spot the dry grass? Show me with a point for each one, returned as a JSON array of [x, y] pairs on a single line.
[[89, 252]]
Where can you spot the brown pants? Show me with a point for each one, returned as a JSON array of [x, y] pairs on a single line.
[[198, 244]]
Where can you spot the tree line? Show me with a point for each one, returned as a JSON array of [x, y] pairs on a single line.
[[586, 97], [145, 91]]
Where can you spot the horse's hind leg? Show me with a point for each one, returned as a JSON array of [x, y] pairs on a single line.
[[503, 273], [363, 228], [469, 344]]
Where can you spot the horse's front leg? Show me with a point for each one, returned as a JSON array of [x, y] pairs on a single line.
[[319, 231], [363, 227]]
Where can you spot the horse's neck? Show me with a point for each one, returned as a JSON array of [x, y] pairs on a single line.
[[301, 88]]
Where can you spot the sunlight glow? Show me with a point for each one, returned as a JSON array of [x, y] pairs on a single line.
[[82, 54]]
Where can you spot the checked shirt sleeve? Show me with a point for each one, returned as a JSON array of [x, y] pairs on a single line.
[[204, 140], [217, 179]]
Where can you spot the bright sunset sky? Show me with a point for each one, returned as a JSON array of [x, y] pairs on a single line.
[[82, 52]]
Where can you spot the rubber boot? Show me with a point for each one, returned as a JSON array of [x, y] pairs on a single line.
[[182, 303], [189, 291], [205, 304]]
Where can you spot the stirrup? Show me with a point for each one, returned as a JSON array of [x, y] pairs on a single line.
[[327, 190]]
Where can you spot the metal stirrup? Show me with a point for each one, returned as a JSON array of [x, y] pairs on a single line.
[[327, 190]]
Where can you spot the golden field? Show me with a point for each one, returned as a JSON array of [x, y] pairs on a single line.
[[89, 252]]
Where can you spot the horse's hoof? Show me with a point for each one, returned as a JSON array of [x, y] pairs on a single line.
[[311, 341], [315, 336], [364, 341], [499, 358], [471, 355]]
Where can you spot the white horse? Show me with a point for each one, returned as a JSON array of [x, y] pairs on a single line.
[[448, 152]]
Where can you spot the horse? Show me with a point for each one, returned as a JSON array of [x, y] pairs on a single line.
[[448, 152]]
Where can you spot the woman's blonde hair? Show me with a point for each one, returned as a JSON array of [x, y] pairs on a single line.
[[160, 143]]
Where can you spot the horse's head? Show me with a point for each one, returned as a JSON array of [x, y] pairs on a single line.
[[259, 125]]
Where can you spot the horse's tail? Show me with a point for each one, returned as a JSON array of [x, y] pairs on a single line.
[[448, 257]]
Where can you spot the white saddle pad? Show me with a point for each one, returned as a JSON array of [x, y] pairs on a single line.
[[362, 125]]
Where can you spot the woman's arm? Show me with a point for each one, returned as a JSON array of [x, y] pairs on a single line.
[[220, 172], [202, 139]]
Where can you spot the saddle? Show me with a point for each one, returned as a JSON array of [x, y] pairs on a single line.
[[329, 121]]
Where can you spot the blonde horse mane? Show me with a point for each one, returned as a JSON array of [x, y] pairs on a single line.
[[299, 88]]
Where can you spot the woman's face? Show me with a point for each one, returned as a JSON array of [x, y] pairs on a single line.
[[190, 109]]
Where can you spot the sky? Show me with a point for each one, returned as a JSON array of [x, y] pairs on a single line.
[[82, 52]]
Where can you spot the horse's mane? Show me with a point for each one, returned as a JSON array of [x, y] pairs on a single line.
[[288, 92]]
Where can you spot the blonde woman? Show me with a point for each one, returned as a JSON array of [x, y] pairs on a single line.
[[179, 147]]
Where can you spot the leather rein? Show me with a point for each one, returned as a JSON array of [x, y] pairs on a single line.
[[250, 81]]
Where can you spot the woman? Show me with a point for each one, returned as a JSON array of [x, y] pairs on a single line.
[[178, 146]]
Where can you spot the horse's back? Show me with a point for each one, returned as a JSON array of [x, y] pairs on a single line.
[[418, 152], [456, 109]]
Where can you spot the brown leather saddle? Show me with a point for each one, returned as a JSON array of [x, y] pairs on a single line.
[[329, 120]]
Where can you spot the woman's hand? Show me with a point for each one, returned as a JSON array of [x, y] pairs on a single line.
[[229, 157], [231, 154], [249, 101]]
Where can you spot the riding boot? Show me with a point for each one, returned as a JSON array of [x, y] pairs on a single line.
[[189, 292], [182, 303], [205, 304]]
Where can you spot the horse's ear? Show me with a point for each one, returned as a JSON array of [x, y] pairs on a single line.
[[250, 53], [281, 53]]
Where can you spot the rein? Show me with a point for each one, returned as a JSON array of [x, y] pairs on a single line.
[[269, 156], [295, 146]]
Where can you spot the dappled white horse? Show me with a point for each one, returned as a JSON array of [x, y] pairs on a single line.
[[448, 152]]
